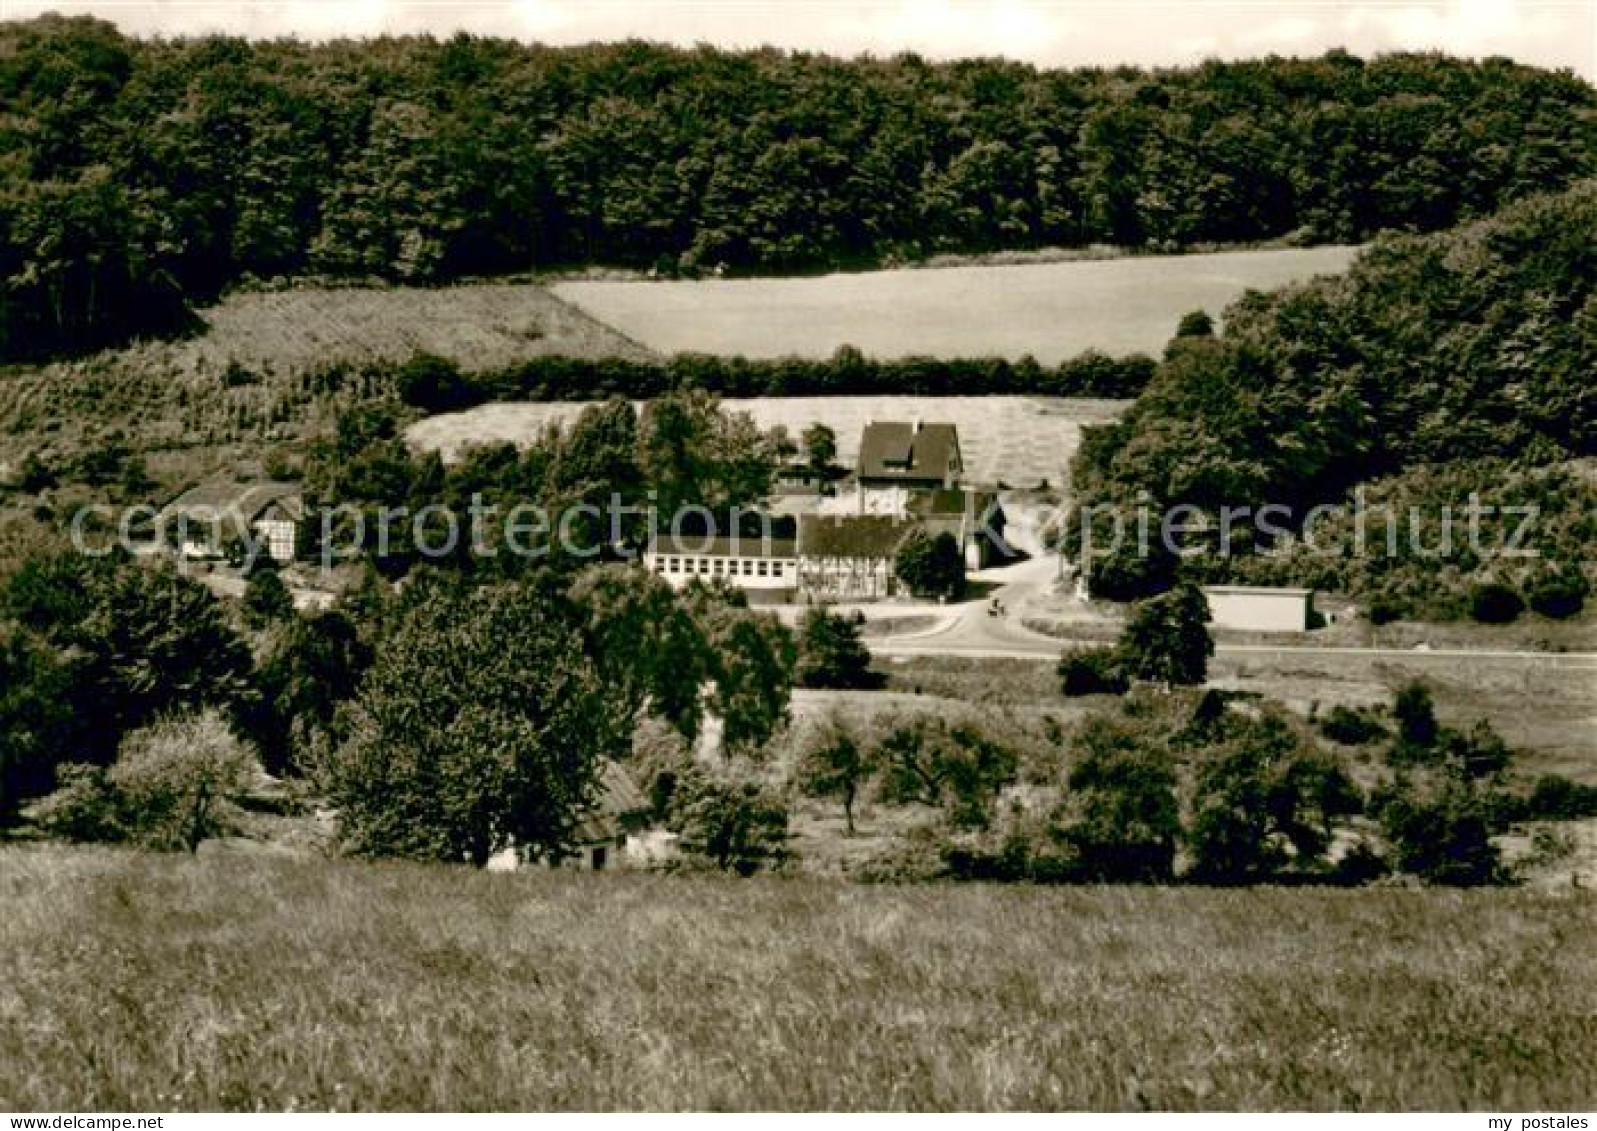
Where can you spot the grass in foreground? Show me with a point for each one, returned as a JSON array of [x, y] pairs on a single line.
[[145, 983]]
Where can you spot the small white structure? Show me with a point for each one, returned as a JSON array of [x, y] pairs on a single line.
[[1248, 608]]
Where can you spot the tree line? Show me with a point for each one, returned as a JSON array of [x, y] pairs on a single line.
[[139, 177], [436, 384]]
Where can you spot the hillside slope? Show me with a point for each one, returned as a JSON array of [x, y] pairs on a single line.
[[1461, 361]]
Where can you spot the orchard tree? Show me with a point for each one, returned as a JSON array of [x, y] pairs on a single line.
[[177, 782], [837, 765], [954, 767], [1121, 817]]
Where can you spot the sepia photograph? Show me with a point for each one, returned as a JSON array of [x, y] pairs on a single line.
[[806, 556]]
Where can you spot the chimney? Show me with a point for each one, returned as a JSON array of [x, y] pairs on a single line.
[[916, 421]]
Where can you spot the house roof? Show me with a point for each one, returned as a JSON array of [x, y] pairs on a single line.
[[736, 546], [851, 536], [617, 798], [899, 449], [241, 501]]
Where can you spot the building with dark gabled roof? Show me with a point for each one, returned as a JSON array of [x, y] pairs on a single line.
[[912, 454]]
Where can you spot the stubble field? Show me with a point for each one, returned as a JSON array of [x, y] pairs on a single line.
[[1019, 441]]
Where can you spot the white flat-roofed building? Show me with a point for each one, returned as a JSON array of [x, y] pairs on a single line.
[[1250, 608], [750, 562]]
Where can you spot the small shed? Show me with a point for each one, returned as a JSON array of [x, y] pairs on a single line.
[[1250, 608]]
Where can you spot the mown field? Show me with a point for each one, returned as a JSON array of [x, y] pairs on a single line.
[[1019, 441], [1051, 311], [174, 983]]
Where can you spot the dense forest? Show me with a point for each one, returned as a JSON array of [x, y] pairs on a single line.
[[1440, 365], [137, 178]]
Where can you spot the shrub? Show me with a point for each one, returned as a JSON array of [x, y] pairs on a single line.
[[1091, 671], [1384, 609], [266, 599], [1416, 716], [737, 827], [1555, 798], [435, 384], [1195, 324], [1495, 603], [82, 808], [1352, 726], [1442, 839], [1558, 595]]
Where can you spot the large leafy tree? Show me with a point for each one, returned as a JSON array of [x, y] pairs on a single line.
[[644, 642], [931, 565], [1121, 818], [1167, 640], [751, 656], [481, 724], [831, 651], [149, 642]]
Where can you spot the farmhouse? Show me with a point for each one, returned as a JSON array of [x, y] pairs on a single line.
[[203, 519], [762, 565], [1247, 608], [898, 458], [850, 557]]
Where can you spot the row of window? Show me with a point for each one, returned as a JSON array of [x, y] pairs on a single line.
[[723, 567]]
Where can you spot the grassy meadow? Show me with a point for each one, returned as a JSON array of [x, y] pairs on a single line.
[[1020, 441], [177, 983], [1051, 311]]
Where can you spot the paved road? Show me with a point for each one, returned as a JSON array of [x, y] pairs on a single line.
[[969, 630]]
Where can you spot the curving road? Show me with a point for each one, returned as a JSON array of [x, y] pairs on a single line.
[[970, 630]]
